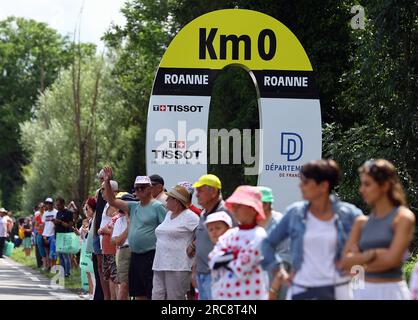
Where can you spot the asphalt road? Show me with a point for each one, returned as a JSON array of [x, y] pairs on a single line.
[[18, 282]]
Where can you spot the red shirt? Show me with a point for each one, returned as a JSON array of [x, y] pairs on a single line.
[[38, 220]]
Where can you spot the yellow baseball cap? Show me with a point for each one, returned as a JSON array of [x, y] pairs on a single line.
[[208, 180]]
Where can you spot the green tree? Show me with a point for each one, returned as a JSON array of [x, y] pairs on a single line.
[[382, 91], [78, 127], [31, 55]]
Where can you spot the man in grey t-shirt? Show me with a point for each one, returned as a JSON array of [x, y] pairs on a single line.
[[208, 193]]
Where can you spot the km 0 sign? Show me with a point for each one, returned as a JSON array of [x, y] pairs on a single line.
[[206, 44], [289, 108]]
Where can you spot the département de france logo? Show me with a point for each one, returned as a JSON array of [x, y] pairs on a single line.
[[291, 146]]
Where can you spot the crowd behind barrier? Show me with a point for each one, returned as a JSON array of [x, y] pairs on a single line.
[[153, 243]]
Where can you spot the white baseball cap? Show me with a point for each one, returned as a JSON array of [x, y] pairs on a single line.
[[219, 216], [49, 200], [113, 184], [3, 210], [142, 180]]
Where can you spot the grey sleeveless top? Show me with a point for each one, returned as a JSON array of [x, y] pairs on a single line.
[[378, 233]]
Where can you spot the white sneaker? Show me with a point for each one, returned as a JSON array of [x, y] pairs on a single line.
[[85, 296]]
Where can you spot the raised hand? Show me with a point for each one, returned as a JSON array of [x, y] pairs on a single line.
[[107, 173]]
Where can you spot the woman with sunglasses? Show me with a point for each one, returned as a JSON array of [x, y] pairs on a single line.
[[318, 228], [379, 243]]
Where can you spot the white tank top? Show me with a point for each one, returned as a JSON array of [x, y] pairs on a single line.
[[319, 249]]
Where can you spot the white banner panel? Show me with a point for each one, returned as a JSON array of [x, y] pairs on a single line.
[[177, 137], [291, 137]]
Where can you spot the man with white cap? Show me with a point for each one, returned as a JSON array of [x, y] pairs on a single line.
[[145, 216], [48, 233]]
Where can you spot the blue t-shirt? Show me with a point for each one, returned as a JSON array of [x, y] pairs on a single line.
[[144, 221]]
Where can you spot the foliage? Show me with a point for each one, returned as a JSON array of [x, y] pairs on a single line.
[[31, 55], [409, 267], [51, 138], [382, 95]]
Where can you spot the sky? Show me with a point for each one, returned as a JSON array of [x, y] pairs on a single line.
[[62, 15]]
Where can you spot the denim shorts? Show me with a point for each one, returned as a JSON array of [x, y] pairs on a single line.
[[27, 243]]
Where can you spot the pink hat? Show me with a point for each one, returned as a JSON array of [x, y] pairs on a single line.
[[249, 196]]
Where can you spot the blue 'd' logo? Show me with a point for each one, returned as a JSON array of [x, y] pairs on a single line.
[[291, 146]]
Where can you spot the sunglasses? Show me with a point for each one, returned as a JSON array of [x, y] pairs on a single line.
[[140, 188], [378, 172], [369, 164]]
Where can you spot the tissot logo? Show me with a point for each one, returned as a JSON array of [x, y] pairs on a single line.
[[177, 144], [176, 108], [176, 154]]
